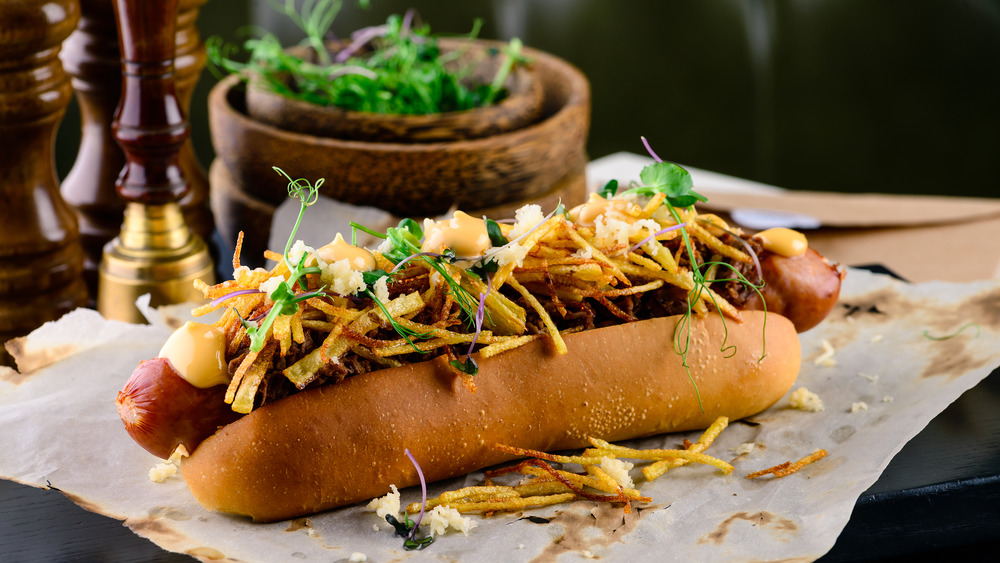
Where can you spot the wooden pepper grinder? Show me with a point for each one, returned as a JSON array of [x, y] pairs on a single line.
[[41, 259], [93, 59], [156, 252]]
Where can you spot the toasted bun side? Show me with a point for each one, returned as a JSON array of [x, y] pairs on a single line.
[[344, 443]]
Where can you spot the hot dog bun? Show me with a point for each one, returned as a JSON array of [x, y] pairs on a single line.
[[342, 444]]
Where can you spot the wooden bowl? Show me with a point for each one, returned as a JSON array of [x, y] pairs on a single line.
[[414, 179], [520, 108]]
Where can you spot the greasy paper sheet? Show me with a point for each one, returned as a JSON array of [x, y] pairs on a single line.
[[60, 429]]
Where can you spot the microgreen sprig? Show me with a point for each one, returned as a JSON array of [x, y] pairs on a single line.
[[676, 184], [405, 244], [403, 70], [286, 301], [370, 278], [469, 366], [408, 528]]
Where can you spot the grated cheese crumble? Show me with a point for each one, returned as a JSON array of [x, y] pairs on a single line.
[[744, 448], [342, 278], [859, 406], [163, 471], [618, 470], [298, 250], [268, 286], [806, 400], [525, 219], [442, 517], [381, 289], [510, 253], [389, 504]]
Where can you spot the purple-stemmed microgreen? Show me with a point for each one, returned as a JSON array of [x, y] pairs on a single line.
[[469, 366], [408, 528], [228, 296], [653, 237]]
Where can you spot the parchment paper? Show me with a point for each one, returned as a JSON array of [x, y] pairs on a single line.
[[59, 429]]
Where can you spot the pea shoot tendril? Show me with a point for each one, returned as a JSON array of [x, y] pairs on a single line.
[[676, 184], [286, 301]]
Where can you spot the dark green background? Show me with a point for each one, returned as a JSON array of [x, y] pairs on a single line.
[[841, 95]]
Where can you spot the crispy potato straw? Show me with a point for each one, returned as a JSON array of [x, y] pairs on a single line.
[[787, 468]]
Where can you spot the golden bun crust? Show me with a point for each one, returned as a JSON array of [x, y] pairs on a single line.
[[342, 444]]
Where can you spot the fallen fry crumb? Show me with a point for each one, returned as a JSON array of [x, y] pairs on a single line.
[[787, 468]]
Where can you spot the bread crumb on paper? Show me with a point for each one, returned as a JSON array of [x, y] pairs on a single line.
[[358, 556], [887, 399], [806, 400], [876, 339], [442, 517], [744, 448], [859, 406], [826, 358]]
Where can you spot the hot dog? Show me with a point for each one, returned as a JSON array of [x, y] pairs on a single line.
[[628, 316]]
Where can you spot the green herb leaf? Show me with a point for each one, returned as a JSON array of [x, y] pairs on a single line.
[[609, 190], [372, 276], [496, 235], [411, 545], [484, 268], [670, 179], [401, 529], [469, 366], [405, 240]]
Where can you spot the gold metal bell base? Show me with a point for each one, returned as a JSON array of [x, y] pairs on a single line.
[[155, 253]]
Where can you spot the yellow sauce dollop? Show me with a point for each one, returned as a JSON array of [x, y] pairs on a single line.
[[198, 353], [782, 241], [360, 259], [463, 233], [587, 213]]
